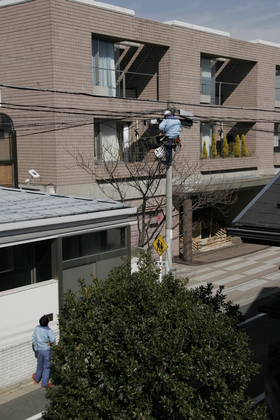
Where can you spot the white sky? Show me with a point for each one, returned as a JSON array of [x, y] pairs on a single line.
[[247, 19]]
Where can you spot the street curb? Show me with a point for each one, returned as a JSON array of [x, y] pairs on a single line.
[[18, 390]]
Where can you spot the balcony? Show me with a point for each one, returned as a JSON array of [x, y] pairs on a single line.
[[225, 81], [230, 164], [124, 69], [127, 84], [217, 95]]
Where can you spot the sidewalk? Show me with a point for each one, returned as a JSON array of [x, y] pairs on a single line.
[[236, 249], [247, 272], [17, 390]]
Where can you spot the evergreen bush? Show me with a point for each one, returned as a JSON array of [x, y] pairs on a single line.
[[225, 151], [214, 147], [204, 154], [132, 347], [244, 151], [237, 146], [231, 149]]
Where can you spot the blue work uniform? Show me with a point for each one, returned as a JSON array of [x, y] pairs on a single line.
[[172, 128], [42, 338]]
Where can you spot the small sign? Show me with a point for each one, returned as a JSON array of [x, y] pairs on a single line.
[[160, 245], [161, 264]]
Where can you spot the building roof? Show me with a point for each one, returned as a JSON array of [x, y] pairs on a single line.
[[94, 3], [28, 214], [259, 222]]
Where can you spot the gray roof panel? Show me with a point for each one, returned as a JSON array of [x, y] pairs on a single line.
[[262, 210], [259, 221], [19, 205]]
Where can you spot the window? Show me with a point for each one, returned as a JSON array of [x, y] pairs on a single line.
[[93, 243], [111, 141], [277, 87], [207, 80], [276, 138], [43, 265], [6, 260], [105, 55], [25, 264], [5, 152]]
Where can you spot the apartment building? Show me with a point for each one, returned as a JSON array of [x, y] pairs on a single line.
[[81, 79]]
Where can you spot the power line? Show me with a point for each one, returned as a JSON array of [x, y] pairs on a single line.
[[114, 116], [208, 106]]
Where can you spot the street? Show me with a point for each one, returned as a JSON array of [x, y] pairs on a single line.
[[250, 280]]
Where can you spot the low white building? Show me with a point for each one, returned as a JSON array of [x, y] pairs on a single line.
[[48, 242]]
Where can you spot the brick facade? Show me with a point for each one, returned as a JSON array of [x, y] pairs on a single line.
[[47, 88]]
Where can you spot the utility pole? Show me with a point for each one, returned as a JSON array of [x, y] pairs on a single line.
[[168, 215], [188, 122]]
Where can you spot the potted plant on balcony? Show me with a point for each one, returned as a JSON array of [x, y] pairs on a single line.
[[225, 151], [244, 151], [214, 147], [204, 154], [236, 149]]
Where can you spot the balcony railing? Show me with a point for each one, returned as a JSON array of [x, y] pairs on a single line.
[[124, 84], [215, 93]]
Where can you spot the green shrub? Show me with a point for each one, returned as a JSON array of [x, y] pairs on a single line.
[[244, 151], [204, 154], [225, 150], [236, 149], [231, 149], [132, 347], [214, 147]]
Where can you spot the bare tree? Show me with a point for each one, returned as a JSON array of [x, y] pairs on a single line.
[[137, 176], [138, 180]]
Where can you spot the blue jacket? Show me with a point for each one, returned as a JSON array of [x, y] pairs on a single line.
[[41, 337], [171, 127]]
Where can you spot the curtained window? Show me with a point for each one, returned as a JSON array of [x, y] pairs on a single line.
[[111, 141], [104, 57]]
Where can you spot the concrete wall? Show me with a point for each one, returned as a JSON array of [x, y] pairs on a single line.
[[20, 311]]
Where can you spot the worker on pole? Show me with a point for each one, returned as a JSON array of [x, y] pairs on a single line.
[[171, 126]]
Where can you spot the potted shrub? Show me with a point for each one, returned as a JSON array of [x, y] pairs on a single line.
[[204, 154], [214, 147], [244, 151], [225, 150], [236, 149]]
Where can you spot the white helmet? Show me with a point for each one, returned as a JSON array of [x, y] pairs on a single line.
[[167, 112]]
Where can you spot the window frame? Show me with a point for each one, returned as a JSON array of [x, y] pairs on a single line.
[[25, 264], [276, 143], [211, 127], [123, 141], [277, 87], [105, 77], [210, 68]]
